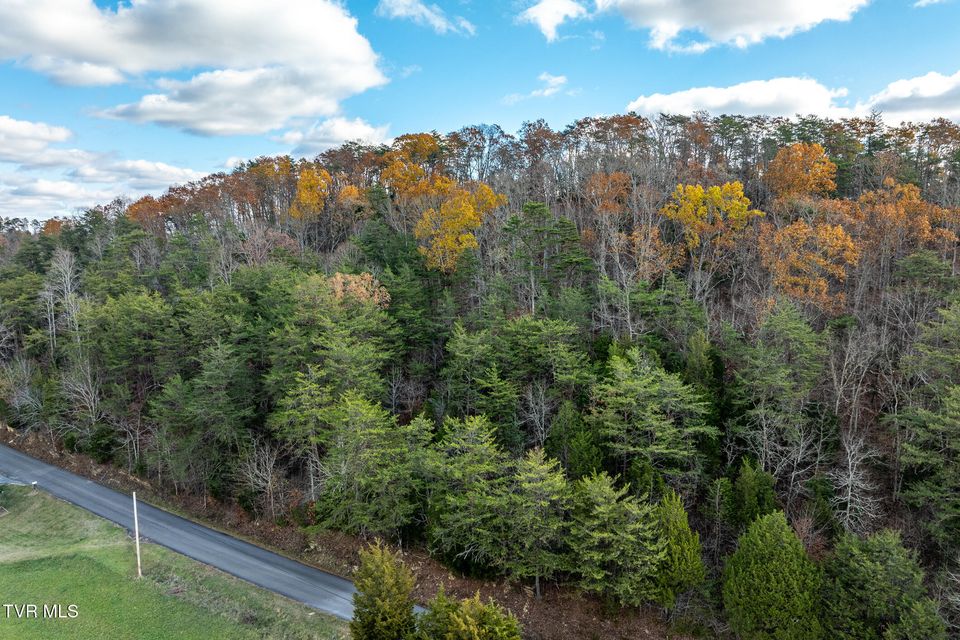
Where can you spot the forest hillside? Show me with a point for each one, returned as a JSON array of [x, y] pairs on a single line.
[[704, 365]]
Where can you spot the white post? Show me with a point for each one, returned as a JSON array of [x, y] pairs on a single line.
[[136, 533]]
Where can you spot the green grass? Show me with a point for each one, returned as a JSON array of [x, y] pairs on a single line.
[[52, 552]]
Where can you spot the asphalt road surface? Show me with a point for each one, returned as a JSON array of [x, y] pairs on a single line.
[[313, 587]]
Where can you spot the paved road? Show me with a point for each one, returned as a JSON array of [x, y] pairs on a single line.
[[318, 589]]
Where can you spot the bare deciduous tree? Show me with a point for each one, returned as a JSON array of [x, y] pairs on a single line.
[[259, 472], [855, 503]]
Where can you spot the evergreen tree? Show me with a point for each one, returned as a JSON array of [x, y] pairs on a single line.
[[873, 590], [933, 458], [202, 422], [615, 544], [302, 416], [771, 590], [468, 503], [537, 497], [573, 443], [775, 379], [343, 332], [647, 414], [682, 568], [383, 602], [498, 402], [754, 493], [546, 253], [376, 469], [930, 431]]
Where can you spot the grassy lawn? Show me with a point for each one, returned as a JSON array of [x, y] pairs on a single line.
[[54, 553]]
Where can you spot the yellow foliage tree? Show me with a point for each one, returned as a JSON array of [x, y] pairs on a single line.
[[712, 220], [412, 173], [447, 230], [313, 188], [350, 196], [806, 259], [712, 215], [802, 169]]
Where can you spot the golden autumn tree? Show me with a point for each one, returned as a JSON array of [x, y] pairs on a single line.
[[447, 230], [712, 220], [806, 259], [802, 169], [313, 188], [350, 197], [895, 221], [411, 170], [443, 214]]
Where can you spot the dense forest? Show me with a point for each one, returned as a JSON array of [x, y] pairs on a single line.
[[704, 364]]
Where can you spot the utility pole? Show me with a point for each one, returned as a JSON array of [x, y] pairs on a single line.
[[136, 533]]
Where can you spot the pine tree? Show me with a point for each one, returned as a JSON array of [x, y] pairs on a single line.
[[774, 385], [383, 602], [933, 456], [614, 540], [573, 443], [682, 568], [647, 414], [931, 439], [498, 401], [376, 469], [771, 589], [538, 499], [754, 493], [468, 504], [873, 590]]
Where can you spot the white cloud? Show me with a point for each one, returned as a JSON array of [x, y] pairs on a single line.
[[333, 132], [44, 198], [231, 102], [927, 3], [551, 86], [547, 15], [693, 26], [263, 64], [136, 174], [919, 99], [423, 14], [28, 144], [48, 179], [233, 162], [776, 97]]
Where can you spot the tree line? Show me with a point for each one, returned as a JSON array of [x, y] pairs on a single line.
[[640, 357]]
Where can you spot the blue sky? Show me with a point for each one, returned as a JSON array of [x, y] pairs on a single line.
[[102, 99]]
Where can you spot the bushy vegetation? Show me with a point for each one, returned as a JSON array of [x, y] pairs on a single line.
[[383, 607]]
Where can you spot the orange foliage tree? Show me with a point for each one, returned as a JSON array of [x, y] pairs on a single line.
[[360, 287], [443, 213], [802, 169], [806, 259], [52, 227], [411, 171]]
